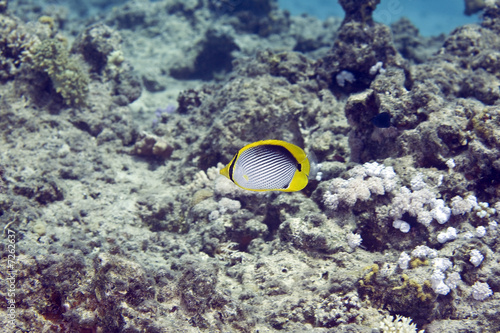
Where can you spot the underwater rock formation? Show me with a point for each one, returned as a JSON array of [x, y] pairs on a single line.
[[122, 223]]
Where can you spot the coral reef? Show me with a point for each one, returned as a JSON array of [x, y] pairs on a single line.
[[100, 46], [114, 128], [399, 324], [66, 75]]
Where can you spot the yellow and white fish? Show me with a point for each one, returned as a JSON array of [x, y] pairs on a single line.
[[269, 165]]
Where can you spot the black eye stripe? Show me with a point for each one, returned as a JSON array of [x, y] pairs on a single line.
[[231, 167]]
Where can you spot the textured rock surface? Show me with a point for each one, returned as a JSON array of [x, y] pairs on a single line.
[[121, 222]]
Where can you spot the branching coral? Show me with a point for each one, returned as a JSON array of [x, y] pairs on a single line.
[[68, 78], [399, 324], [15, 43], [371, 178]]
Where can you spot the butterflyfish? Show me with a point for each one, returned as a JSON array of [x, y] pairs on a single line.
[[269, 165]]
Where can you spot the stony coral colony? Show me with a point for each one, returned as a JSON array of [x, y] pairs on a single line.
[[128, 227]]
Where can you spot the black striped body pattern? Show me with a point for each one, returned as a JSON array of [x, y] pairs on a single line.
[[264, 167]]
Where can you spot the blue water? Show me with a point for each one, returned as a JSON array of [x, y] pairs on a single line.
[[431, 17]]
